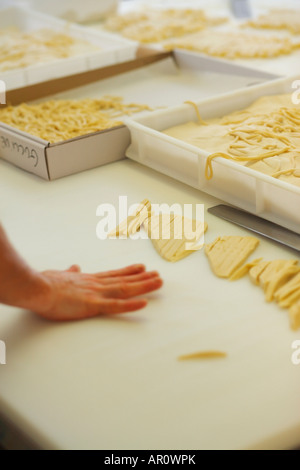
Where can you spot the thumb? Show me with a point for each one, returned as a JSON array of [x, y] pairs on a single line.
[[74, 269]]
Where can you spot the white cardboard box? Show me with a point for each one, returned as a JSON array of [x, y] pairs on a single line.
[[52, 161]]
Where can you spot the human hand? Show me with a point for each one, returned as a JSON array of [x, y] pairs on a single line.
[[72, 295]]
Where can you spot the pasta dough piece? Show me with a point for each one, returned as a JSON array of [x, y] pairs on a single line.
[[133, 223], [278, 19], [289, 293], [280, 279], [175, 237], [203, 355], [227, 254], [235, 45], [294, 314], [257, 270], [273, 269], [243, 270], [157, 25]]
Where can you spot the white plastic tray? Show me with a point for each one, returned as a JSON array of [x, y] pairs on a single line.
[[112, 50], [72, 10], [243, 187]]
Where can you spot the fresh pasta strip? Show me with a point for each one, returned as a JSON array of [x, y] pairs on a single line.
[[133, 223], [274, 269], [278, 19], [264, 137], [279, 280], [58, 120], [294, 314], [203, 355], [153, 25], [235, 45], [227, 254], [289, 293], [19, 50], [257, 270], [243, 270]]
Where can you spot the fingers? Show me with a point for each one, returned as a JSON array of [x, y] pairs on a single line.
[[128, 271], [95, 309], [134, 289], [114, 306], [133, 278]]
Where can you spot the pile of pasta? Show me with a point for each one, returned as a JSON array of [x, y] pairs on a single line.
[[264, 137], [278, 19], [280, 279], [159, 25], [59, 120], [235, 44], [18, 49]]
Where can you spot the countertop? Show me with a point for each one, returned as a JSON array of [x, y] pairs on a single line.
[[116, 382]]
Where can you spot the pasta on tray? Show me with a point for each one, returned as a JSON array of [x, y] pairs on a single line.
[[59, 120], [282, 19], [264, 137], [235, 44], [158, 25], [19, 49]]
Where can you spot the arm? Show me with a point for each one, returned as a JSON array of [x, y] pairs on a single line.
[[71, 295]]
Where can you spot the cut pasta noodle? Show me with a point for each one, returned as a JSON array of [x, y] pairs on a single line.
[[59, 120], [264, 137], [19, 50], [280, 279], [203, 355]]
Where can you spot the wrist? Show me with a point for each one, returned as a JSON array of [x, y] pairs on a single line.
[[36, 292], [27, 290]]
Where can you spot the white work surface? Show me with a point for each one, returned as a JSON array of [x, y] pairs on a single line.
[[116, 383]]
